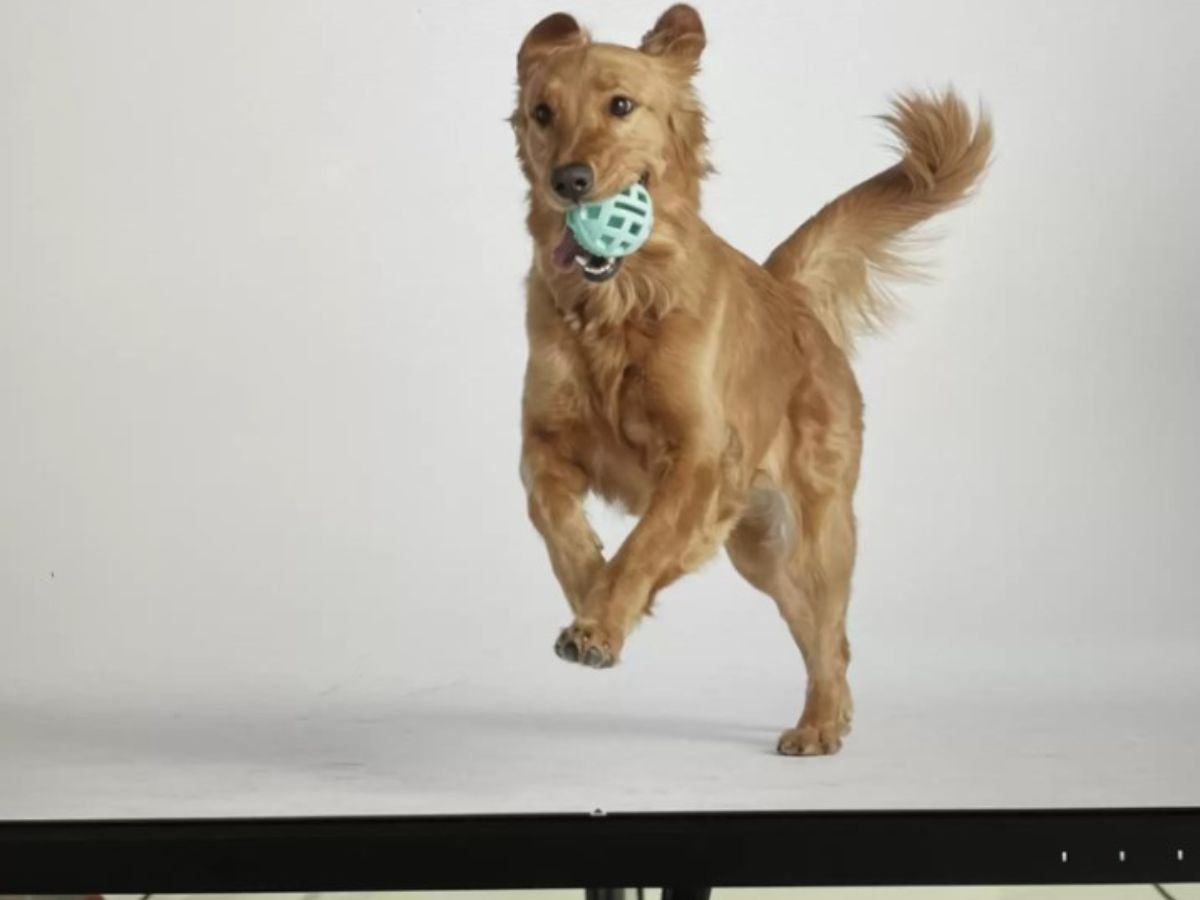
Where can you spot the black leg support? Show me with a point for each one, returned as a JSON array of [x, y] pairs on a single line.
[[605, 894]]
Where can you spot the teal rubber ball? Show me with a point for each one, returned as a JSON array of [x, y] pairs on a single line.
[[615, 226]]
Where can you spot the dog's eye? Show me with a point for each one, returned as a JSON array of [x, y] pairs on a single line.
[[543, 114], [620, 106]]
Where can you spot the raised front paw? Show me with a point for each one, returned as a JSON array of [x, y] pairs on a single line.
[[587, 644]]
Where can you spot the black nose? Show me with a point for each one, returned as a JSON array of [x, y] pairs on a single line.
[[572, 181]]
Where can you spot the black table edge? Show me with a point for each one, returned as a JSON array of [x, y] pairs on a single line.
[[1036, 846]]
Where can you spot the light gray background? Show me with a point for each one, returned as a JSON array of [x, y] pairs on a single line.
[[261, 349]]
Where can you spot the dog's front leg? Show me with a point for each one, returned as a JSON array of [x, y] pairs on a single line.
[[688, 518], [555, 486]]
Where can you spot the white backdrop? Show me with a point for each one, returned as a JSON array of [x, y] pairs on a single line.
[[261, 349]]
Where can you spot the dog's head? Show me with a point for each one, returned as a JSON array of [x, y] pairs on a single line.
[[593, 118]]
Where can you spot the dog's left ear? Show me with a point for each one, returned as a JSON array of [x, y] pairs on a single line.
[[678, 33]]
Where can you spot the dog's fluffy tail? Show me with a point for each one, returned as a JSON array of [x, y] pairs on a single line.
[[844, 256]]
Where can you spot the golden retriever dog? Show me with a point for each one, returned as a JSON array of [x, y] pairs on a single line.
[[707, 394]]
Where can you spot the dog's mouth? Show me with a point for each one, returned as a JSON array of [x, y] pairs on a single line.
[[569, 255]]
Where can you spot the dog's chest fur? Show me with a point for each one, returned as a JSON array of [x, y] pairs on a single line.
[[616, 363]]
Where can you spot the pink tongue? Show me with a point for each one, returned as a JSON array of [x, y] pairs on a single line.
[[566, 251]]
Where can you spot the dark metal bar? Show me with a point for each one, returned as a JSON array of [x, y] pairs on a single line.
[[859, 848]]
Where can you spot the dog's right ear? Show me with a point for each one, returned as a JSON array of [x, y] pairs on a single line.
[[558, 31]]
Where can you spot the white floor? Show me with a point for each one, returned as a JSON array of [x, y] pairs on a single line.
[[542, 736]]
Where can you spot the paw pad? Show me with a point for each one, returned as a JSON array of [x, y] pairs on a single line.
[[578, 644]]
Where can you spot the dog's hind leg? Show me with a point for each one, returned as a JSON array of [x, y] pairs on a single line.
[[817, 617], [799, 550]]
